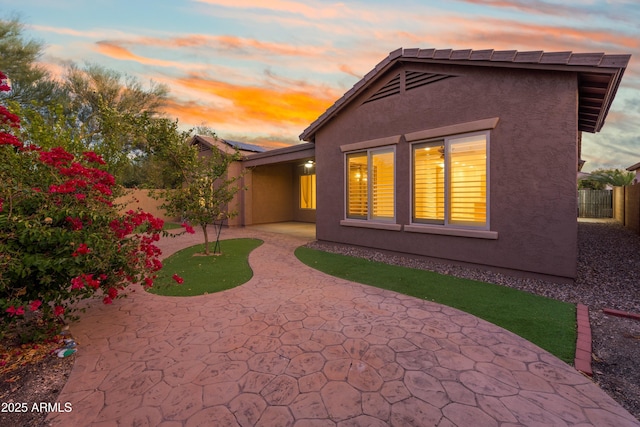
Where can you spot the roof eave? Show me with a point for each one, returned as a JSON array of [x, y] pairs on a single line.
[[598, 63], [633, 167]]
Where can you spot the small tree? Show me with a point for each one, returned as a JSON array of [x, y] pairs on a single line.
[[207, 189]]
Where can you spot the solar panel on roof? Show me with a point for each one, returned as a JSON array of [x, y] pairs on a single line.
[[245, 147]]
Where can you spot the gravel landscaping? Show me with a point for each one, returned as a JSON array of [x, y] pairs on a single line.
[[608, 277]]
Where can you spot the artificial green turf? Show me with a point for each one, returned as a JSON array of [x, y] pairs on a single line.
[[548, 323], [206, 274], [171, 226]]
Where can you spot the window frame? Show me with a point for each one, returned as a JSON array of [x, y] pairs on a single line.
[[370, 218], [446, 144]]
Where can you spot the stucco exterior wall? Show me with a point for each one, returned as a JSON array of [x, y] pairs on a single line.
[[236, 204], [532, 158], [618, 204], [140, 199], [272, 193]]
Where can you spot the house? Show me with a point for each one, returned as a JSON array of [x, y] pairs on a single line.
[[468, 156], [206, 144], [280, 184], [635, 168]]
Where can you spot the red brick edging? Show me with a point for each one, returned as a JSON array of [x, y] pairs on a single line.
[[582, 361], [620, 313]]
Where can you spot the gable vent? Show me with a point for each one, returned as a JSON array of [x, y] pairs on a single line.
[[391, 88], [415, 79]]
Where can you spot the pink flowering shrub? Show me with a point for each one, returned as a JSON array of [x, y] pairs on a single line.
[[61, 237]]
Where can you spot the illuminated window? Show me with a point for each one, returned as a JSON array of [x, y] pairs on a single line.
[[371, 184], [450, 181], [308, 191]]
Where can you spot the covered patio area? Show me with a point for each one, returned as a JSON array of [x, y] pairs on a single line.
[[280, 186]]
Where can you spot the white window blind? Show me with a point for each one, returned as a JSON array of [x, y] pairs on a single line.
[[371, 184], [450, 181], [468, 181], [357, 188], [428, 183], [382, 187]]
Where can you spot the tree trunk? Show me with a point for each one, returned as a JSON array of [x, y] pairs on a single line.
[[206, 239]]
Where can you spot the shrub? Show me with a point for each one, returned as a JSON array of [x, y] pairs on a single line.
[[61, 237]]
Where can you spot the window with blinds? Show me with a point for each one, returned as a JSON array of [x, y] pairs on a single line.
[[308, 191], [382, 185], [371, 184], [450, 181], [428, 183], [357, 188], [468, 180]]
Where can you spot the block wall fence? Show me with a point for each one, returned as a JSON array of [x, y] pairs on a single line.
[[626, 206]]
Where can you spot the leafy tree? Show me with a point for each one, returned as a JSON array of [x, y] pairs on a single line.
[[115, 111], [613, 177], [18, 59], [205, 130], [91, 109], [206, 189], [587, 184], [157, 166]]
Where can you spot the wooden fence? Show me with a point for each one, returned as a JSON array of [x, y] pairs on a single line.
[[627, 206], [595, 203]]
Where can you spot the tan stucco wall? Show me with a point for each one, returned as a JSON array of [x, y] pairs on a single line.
[[533, 158], [271, 194], [136, 199], [618, 204], [236, 205]]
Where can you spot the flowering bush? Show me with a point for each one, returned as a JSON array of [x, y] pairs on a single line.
[[61, 237]]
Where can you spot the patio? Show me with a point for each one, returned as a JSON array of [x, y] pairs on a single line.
[[296, 347]]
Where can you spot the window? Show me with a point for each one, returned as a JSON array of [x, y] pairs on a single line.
[[371, 184], [450, 181], [308, 191]]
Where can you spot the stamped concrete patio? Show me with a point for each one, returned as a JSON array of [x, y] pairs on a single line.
[[295, 347]]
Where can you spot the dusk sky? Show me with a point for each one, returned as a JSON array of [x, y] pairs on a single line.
[[261, 71]]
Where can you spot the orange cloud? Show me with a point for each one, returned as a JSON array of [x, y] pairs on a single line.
[[71, 32], [506, 34], [261, 104], [310, 10], [547, 8], [241, 45], [348, 70], [116, 51]]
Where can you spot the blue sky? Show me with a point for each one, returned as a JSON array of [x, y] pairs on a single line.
[[262, 70]]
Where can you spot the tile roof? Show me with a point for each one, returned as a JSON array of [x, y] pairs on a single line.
[[599, 76]]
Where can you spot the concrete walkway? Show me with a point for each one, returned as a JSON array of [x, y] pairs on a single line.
[[296, 347]]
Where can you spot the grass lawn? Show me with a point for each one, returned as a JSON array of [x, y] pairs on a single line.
[[548, 323], [206, 274]]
